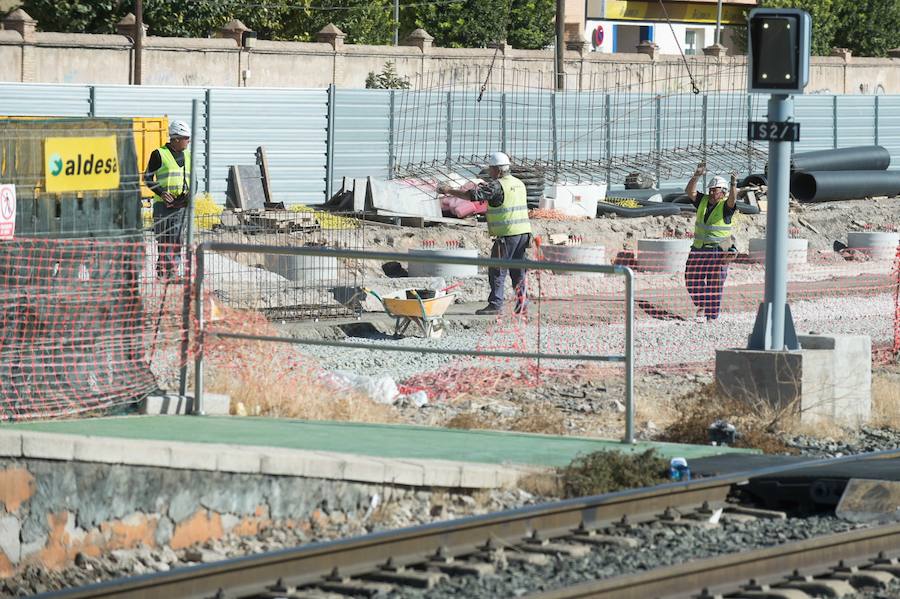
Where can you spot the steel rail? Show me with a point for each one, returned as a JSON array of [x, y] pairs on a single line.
[[308, 564], [725, 574]]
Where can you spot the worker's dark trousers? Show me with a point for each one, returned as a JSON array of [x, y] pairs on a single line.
[[508, 248], [167, 227], [705, 274]]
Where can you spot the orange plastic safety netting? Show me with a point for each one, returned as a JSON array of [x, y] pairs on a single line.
[[85, 325]]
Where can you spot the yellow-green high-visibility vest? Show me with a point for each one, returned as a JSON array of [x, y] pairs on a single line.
[[714, 230], [510, 217], [173, 178]]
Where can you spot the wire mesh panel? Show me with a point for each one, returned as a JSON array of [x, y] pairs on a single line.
[[656, 120], [284, 287]]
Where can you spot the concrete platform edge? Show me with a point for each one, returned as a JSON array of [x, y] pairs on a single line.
[[262, 460]]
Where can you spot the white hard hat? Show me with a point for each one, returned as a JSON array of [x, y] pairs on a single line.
[[179, 129], [498, 159], [718, 182]]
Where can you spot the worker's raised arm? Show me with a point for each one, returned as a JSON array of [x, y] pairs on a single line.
[[464, 194], [732, 191], [691, 187]]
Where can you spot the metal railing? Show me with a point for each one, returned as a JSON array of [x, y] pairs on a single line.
[[627, 357]]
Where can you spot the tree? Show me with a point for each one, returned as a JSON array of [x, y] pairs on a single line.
[[825, 19], [387, 78], [365, 22], [75, 16], [531, 24], [868, 27], [526, 24]]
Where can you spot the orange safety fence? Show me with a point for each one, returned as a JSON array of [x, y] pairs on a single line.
[[85, 325], [88, 325]]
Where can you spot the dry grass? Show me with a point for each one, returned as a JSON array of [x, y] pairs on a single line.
[[886, 399], [759, 425], [533, 418], [266, 379], [542, 484]]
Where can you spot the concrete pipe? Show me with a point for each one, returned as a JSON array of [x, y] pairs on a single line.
[[663, 255], [797, 250], [575, 254], [448, 271], [824, 186], [878, 245], [857, 158], [303, 269]]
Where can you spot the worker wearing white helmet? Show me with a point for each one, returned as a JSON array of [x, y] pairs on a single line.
[[713, 247], [508, 224], [168, 176]]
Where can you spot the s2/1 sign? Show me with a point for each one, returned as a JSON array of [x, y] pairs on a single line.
[[773, 131]]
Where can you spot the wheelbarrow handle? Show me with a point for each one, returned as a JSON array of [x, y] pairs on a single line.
[[375, 295]]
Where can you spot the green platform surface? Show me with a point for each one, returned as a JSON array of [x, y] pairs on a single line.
[[379, 440]]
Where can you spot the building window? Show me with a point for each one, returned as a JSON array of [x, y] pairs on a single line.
[[693, 41]]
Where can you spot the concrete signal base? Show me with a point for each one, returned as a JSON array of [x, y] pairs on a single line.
[[828, 381]]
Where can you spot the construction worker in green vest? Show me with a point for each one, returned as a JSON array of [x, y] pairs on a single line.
[[508, 224], [713, 248], [168, 176]]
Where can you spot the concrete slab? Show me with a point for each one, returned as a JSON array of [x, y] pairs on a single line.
[[193, 456], [380, 454], [49, 447], [239, 459], [10, 443], [214, 404], [122, 451], [829, 380], [403, 442], [852, 365]]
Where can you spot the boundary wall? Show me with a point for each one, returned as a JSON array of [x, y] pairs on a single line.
[[27, 55]]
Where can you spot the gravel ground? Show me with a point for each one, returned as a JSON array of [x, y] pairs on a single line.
[[658, 343], [869, 439], [413, 509]]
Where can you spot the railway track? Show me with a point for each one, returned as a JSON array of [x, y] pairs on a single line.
[[425, 556]]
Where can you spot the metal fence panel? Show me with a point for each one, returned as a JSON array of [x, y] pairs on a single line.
[[290, 124], [30, 99], [816, 117], [889, 127], [362, 133], [855, 121], [528, 117], [581, 128]]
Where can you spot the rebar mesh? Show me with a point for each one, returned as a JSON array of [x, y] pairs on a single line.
[[637, 118], [284, 287]]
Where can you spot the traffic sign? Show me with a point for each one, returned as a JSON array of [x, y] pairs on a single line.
[[7, 211]]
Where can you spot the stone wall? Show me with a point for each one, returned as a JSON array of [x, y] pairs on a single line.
[[27, 55], [50, 511]]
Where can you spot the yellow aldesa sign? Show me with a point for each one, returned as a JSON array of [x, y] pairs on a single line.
[[81, 163]]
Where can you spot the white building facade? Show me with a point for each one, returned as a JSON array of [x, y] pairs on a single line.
[[621, 25]]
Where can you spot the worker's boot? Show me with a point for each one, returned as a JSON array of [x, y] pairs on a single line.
[[488, 310]]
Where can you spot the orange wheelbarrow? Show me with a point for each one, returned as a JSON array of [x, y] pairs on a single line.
[[426, 313]]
